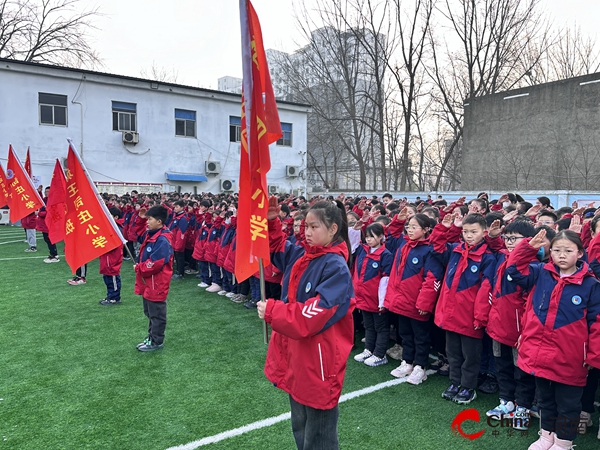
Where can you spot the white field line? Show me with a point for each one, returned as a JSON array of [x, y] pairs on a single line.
[[285, 416], [11, 242], [29, 257]]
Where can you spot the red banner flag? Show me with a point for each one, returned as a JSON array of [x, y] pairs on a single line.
[[24, 199], [90, 231], [28, 163], [260, 128], [4, 197], [56, 205]]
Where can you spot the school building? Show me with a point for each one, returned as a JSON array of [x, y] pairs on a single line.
[[136, 133], [544, 137]]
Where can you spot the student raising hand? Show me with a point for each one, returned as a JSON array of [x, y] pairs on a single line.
[[538, 240], [576, 224], [403, 214], [495, 229], [448, 219], [274, 208]]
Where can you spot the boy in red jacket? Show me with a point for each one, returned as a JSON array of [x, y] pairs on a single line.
[[110, 267], [153, 273]]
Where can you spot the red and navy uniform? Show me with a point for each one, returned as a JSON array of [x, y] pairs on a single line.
[[561, 323], [369, 269], [178, 227], [467, 287], [155, 265], [508, 306], [313, 330]]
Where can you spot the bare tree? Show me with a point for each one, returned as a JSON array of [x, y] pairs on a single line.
[[47, 31], [161, 73], [494, 36]]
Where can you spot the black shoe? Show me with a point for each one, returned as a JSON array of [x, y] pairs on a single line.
[[490, 385], [149, 346], [465, 396], [251, 304], [437, 365], [444, 370], [146, 341], [451, 392], [106, 302]]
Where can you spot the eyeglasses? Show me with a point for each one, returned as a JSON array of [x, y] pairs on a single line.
[[511, 239], [414, 227]]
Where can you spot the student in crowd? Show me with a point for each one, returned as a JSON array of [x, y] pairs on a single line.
[[371, 274], [110, 267], [312, 325], [178, 227], [153, 273], [563, 310], [43, 228]]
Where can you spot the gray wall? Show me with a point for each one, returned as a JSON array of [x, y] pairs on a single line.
[[546, 139]]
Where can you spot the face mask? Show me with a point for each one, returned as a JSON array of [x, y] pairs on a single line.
[[540, 254], [505, 204], [227, 221]]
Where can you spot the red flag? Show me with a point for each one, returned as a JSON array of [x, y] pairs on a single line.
[[260, 128], [90, 231], [56, 205], [4, 197], [28, 163], [24, 199]]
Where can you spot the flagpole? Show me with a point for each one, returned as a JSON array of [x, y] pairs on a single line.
[[261, 271]]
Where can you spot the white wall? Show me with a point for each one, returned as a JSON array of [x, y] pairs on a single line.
[[158, 151]]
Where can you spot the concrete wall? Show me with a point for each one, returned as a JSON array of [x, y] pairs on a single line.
[[158, 151], [537, 138]]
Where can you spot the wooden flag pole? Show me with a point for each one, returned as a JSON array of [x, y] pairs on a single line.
[[261, 271]]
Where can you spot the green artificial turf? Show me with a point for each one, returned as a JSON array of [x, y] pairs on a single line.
[[71, 377]]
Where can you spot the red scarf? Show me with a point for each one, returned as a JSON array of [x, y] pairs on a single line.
[[311, 252]]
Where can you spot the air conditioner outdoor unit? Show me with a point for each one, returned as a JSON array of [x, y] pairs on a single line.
[[227, 185], [292, 171], [273, 189], [131, 137], [212, 167]]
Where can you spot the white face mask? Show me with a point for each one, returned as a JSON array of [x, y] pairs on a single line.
[[227, 221], [505, 204]]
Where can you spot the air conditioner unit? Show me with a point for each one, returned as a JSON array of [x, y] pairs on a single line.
[[292, 171], [273, 189], [212, 167], [227, 185], [131, 137]]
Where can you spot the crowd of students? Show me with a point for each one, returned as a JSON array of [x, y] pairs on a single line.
[[504, 291]]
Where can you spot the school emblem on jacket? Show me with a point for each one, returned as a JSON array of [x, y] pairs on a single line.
[[415, 260], [508, 277], [576, 300], [307, 288], [474, 269], [148, 249], [375, 265]]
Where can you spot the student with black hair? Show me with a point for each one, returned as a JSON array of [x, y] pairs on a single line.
[[110, 266], [153, 273]]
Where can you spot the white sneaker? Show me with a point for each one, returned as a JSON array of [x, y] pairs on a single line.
[[51, 259], [362, 356], [222, 292], [403, 370], [229, 294], [203, 285], [417, 376], [505, 407], [374, 361], [213, 288]]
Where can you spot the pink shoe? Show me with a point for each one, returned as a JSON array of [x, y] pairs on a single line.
[[213, 288], [545, 442]]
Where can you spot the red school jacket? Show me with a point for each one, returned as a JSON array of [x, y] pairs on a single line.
[[561, 323]]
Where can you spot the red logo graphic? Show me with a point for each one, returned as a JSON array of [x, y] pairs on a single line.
[[468, 414]]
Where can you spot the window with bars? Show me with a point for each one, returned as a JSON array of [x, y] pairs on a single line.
[[53, 109], [235, 129], [185, 123], [286, 139], [124, 116]]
